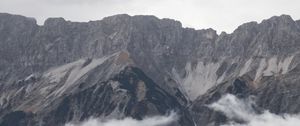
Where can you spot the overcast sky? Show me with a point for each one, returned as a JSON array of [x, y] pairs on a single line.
[[221, 15]]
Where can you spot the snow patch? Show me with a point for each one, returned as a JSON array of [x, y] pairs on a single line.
[[73, 71], [260, 69], [284, 65], [246, 67], [29, 77], [2, 100], [29, 88], [200, 79], [55, 75], [273, 66], [78, 71]]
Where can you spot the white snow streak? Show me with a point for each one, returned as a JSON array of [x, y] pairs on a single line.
[[246, 67], [75, 69], [200, 79], [273, 66]]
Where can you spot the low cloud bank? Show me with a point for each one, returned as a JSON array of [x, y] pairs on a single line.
[[148, 121], [243, 111]]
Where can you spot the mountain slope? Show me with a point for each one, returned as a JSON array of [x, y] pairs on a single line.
[[45, 67], [130, 93]]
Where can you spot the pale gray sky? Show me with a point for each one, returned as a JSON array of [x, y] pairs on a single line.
[[221, 15]]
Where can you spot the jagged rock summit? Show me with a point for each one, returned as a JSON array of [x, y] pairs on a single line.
[[137, 66]]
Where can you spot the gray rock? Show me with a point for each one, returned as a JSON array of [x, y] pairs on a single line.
[[40, 66]]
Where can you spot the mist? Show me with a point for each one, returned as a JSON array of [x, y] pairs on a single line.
[[148, 121], [243, 110]]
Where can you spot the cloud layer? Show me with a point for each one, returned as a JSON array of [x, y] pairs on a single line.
[[149, 121], [242, 110]]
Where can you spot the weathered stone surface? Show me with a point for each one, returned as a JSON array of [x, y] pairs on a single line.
[[43, 67]]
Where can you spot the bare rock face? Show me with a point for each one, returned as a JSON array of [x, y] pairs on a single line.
[[136, 66], [278, 94], [117, 97]]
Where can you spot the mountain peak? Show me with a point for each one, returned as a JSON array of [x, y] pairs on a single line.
[[283, 17], [280, 19], [298, 23], [54, 21], [118, 16], [6, 17], [247, 26]]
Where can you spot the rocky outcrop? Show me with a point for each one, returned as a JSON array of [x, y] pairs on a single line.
[[118, 97], [45, 68], [277, 94]]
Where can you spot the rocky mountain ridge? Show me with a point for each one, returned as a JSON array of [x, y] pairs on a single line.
[[41, 65]]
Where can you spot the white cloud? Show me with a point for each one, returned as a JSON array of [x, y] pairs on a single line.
[[222, 15], [148, 121], [242, 110]]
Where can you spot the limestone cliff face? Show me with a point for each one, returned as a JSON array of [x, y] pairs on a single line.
[[42, 66]]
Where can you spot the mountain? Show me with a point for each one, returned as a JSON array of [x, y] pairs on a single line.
[[139, 66]]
